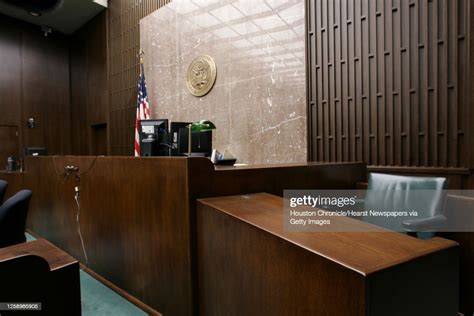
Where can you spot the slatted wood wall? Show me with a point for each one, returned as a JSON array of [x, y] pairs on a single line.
[[124, 41], [389, 81]]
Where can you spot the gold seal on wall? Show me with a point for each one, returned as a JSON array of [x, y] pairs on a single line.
[[201, 75]]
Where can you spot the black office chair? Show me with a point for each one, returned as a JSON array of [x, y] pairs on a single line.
[[13, 218], [426, 195], [3, 189]]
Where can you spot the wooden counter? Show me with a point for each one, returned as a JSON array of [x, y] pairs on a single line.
[[248, 264], [138, 215]]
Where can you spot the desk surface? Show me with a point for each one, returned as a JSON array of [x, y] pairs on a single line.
[[280, 165], [55, 257], [363, 252]]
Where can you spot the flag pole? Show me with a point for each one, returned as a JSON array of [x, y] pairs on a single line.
[[143, 111], [190, 126]]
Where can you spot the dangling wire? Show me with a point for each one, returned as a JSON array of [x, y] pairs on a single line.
[[78, 214], [74, 170]]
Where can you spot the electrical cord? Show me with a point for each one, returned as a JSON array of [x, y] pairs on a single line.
[[66, 173], [68, 170], [78, 214], [167, 145], [90, 167]]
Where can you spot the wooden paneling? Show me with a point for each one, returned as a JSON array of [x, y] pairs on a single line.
[[134, 222], [10, 72], [470, 85], [9, 144], [389, 82], [250, 265], [138, 215], [34, 77], [89, 86], [45, 91], [79, 99], [124, 41]]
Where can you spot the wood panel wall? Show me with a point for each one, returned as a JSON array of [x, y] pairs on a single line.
[[34, 76], [124, 46], [388, 82], [89, 88], [135, 235]]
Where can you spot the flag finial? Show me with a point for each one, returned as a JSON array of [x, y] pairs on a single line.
[[141, 54]]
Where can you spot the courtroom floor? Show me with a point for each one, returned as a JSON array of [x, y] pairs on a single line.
[[98, 300]]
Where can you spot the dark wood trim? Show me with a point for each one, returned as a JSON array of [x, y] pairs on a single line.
[[309, 124], [55, 257], [419, 170], [470, 83]]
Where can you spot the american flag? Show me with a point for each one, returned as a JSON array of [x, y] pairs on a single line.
[[143, 109]]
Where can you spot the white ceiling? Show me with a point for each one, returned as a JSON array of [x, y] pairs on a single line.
[[67, 18]]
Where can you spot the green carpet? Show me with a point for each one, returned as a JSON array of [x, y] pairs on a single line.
[[99, 300]]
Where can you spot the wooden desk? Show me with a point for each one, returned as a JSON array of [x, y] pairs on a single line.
[[249, 265], [38, 272], [138, 215]]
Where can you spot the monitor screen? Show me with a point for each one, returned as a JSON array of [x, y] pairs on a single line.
[[154, 137], [36, 151], [201, 142], [174, 137]]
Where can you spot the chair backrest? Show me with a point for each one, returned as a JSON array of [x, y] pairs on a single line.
[[387, 192], [3, 189], [13, 218]]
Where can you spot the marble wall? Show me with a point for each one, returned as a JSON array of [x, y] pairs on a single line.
[[258, 102]]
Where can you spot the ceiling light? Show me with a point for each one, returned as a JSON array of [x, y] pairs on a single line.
[[34, 13]]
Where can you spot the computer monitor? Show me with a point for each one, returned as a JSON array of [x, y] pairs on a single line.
[[153, 137], [174, 137], [35, 151], [201, 141]]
